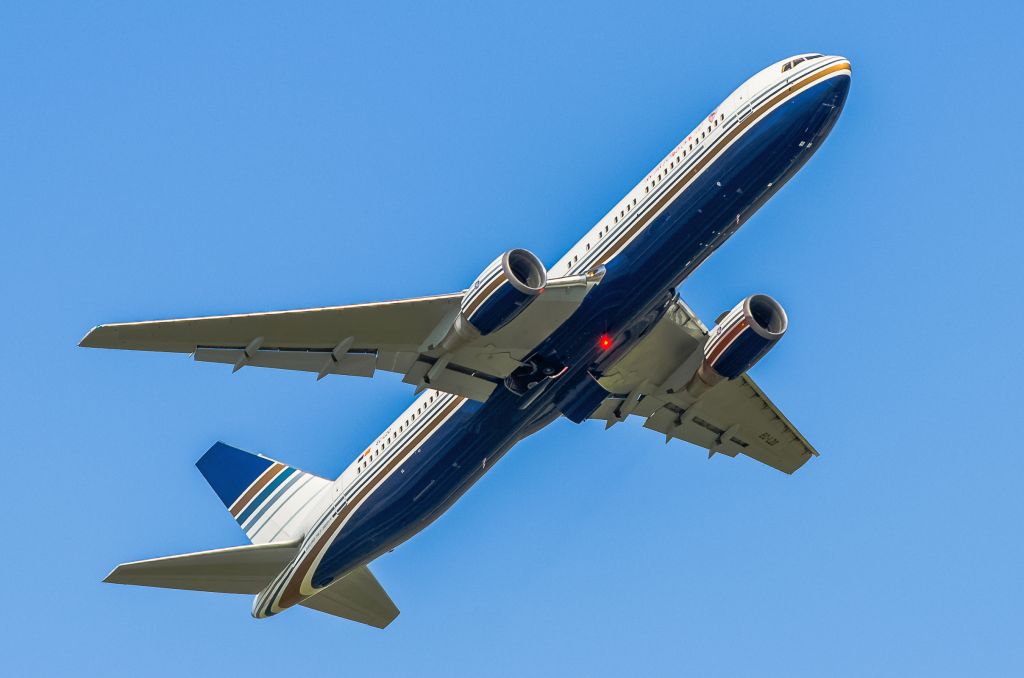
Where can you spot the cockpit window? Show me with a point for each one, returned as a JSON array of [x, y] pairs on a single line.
[[790, 64], [799, 60]]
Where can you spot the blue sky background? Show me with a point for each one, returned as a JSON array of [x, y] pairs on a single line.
[[171, 159]]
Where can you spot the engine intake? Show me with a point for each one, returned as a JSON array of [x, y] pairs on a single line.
[[506, 287], [740, 338], [503, 290]]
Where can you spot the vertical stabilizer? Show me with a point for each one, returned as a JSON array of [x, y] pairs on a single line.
[[271, 501]]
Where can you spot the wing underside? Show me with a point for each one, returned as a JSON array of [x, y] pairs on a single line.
[[734, 417], [357, 340]]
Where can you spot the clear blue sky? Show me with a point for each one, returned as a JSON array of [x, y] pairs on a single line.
[[170, 159]]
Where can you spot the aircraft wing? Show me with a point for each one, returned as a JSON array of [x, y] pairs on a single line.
[[356, 340], [734, 417]]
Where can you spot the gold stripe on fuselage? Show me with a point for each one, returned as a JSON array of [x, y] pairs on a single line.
[[292, 592], [685, 181]]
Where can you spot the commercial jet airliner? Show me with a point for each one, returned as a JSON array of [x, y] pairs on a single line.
[[600, 335]]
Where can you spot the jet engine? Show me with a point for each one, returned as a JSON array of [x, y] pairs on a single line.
[[504, 289], [741, 337]]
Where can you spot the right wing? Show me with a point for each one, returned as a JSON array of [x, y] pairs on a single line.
[[357, 340], [352, 340], [394, 326]]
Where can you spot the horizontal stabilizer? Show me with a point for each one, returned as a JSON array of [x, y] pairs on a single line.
[[240, 569], [358, 596]]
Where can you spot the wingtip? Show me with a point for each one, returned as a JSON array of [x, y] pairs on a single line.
[[85, 341], [387, 623]]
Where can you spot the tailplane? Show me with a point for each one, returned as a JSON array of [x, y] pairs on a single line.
[[239, 569], [249, 569], [274, 503], [271, 501]]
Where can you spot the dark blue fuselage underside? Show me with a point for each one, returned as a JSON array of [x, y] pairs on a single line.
[[639, 282]]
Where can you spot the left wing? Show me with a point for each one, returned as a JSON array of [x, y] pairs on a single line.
[[733, 417], [357, 340]]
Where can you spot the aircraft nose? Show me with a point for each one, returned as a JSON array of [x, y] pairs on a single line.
[[838, 75], [845, 72], [844, 63]]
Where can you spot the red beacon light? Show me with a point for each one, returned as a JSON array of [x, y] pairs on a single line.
[[605, 342]]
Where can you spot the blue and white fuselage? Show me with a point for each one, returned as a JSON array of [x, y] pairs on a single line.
[[664, 228]]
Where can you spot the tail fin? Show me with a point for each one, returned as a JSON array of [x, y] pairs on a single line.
[[268, 499]]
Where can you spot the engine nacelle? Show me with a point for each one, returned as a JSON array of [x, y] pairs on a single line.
[[497, 296], [503, 290], [739, 339]]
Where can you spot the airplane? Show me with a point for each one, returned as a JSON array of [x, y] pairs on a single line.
[[601, 335]]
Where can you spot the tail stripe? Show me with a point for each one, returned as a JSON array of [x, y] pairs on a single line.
[[273, 499], [315, 492], [286, 497], [267, 491], [256, 486]]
